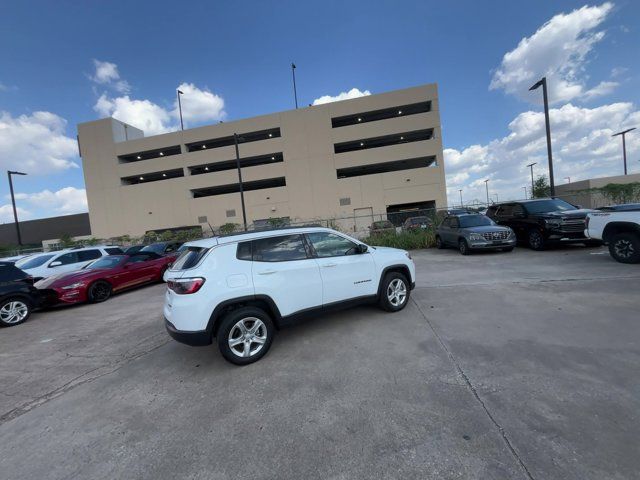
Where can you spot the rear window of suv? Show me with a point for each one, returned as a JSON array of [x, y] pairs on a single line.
[[189, 258]]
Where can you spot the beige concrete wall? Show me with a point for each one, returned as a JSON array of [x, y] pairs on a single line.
[[307, 143], [575, 192]]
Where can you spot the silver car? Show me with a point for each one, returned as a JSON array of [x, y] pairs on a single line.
[[469, 232]]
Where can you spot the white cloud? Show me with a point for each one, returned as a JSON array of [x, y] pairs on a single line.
[[582, 148], [6, 213], [559, 51], [199, 105], [353, 93], [106, 73], [36, 144], [144, 114], [65, 201]]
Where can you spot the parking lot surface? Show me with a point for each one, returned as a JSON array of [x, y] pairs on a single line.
[[504, 365]]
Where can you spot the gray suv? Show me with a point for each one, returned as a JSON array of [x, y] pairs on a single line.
[[469, 232]]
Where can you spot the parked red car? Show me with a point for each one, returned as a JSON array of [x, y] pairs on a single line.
[[107, 275]]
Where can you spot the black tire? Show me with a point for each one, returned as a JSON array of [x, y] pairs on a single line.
[[535, 240], [230, 325], [9, 317], [463, 246], [507, 249], [439, 243], [625, 247], [99, 291], [391, 281]]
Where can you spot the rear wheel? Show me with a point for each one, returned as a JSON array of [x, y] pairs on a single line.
[[439, 242], [14, 311], [625, 247], [394, 292], [463, 246], [99, 291], [245, 335], [535, 239]]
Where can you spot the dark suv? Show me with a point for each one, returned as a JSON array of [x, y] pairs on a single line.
[[18, 296], [542, 221]]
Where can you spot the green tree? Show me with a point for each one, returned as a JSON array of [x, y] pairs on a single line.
[[541, 187], [66, 241], [228, 228]]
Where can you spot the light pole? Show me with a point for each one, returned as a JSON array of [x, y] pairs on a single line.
[[525, 192], [293, 73], [624, 145], [531, 167], [496, 197], [460, 190], [13, 202], [237, 138], [180, 108], [568, 179], [545, 98], [486, 184]]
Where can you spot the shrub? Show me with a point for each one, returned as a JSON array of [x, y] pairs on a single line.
[[228, 228], [406, 240]]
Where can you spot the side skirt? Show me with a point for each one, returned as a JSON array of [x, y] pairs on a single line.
[[331, 307]]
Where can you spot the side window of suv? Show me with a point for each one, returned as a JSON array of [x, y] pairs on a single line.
[[331, 245], [492, 211], [86, 255], [279, 249], [518, 211], [67, 258], [505, 212]]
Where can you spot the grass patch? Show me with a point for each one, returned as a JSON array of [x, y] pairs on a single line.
[[411, 240]]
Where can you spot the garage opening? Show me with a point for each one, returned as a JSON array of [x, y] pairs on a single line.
[[397, 214]]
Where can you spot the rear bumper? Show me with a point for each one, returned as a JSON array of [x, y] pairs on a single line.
[[195, 339]]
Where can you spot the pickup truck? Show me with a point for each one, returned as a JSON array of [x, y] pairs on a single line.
[[619, 228]]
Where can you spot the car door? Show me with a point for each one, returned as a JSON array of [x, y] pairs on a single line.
[[87, 256], [346, 274], [444, 230], [138, 269], [283, 269], [67, 262]]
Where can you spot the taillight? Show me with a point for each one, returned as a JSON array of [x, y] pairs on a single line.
[[185, 286]]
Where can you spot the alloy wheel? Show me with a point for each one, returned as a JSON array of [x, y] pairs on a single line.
[[14, 312], [397, 292], [247, 337], [100, 292], [624, 248]]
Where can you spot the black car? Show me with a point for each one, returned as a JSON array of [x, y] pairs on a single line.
[[133, 249], [540, 222], [18, 296], [162, 248]]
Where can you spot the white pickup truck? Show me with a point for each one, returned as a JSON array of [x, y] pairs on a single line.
[[619, 228]]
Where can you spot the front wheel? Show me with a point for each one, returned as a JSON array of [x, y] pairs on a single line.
[[395, 292], [14, 311], [99, 291], [463, 246], [439, 242], [245, 335], [625, 247], [536, 240]]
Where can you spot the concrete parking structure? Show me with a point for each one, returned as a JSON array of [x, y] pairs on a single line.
[[503, 366]]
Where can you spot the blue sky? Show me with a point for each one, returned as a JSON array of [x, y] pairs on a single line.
[[235, 57]]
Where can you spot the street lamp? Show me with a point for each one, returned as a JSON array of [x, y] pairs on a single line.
[[460, 190], [180, 108], [531, 167], [13, 202], [543, 82], [236, 139], [486, 184], [624, 145], [525, 192], [293, 73]]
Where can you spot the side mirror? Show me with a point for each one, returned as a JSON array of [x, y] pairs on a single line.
[[55, 264], [362, 248]]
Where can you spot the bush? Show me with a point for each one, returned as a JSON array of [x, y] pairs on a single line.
[[406, 240], [228, 228]]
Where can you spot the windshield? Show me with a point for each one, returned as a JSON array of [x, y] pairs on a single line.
[[467, 221], [32, 262], [105, 262], [155, 248], [552, 205]]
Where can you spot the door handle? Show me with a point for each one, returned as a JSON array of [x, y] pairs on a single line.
[[329, 265], [266, 272]]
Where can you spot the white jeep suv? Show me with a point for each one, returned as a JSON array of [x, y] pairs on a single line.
[[239, 289]]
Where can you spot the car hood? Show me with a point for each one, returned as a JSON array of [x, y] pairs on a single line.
[[68, 278], [387, 251], [485, 229], [572, 214]]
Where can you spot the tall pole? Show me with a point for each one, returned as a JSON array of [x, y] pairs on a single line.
[[545, 98], [295, 92], [13, 203], [525, 192], [624, 145], [531, 167], [486, 184], [461, 204], [244, 213], [180, 109]]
